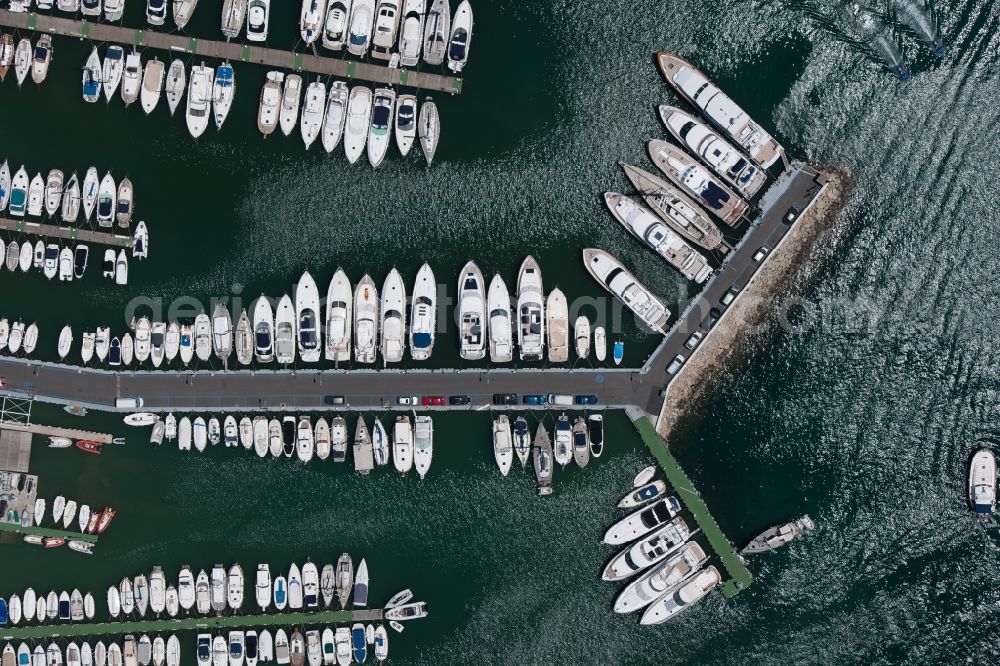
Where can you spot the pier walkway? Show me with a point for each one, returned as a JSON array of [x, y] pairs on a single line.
[[12, 528], [739, 576], [67, 233], [140, 626], [53, 431], [232, 51]]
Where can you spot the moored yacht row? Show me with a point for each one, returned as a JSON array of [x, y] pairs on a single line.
[[409, 445], [579, 443], [68, 263], [25, 57], [667, 568], [60, 198], [40, 608], [364, 120], [16, 337]]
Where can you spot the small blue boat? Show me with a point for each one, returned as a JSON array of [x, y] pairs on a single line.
[[619, 352], [3, 611], [359, 645], [280, 593]]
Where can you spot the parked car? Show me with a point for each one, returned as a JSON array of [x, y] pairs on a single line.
[[432, 400], [504, 398], [3, 382], [585, 399], [459, 400], [409, 400], [334, 400], [694, 339], [534, 399], [713, 317], [759, 255], [675, 364], [791, 215], [730, 295]]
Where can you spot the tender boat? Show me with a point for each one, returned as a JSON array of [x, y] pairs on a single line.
[[530, 311], [176, 84], [113, 68], [982, 483], [437, 30], [233, 15], [423, 314], [359, 112], [674, 602], [609, 272], [339, 304], [290, 99], [660, 238], [313, 109], [270, 103], [311, 20], [183, 9], [461, 37], [411, 32], [429, 129], [263, 330], [471, 313], [41, 58], [402, 445], [284, 331], [365, 320], [336, 114], [691, 84], [335, 26], [258, 20], [777, 536], [557, 326], [132, 77], [381, 124], [640, 523], [695, 181], [359, 34], [307, 316], [503, 446], [619, 352], [645, 553], [223, 91], [222, 333], [393, 312], [199, 102], [91, 85], [152, 85]]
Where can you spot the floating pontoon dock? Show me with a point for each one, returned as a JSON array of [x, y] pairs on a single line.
[[289, 60], [47, 532], [136, 627], [739, 576], [53, 431], [67, 233]]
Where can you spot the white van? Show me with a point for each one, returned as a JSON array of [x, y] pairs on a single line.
[[560, 399], [129, 403]]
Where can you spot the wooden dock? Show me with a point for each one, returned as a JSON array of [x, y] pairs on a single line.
[[67, 233], [47, 532], [15, 450], [234, 52], [52, 431], [207, 624]]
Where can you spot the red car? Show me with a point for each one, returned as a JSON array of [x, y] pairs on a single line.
[[432, 400]]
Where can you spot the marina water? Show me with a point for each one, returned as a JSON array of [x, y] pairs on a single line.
[[861, 411]]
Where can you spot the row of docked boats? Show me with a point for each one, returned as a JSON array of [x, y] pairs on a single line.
[[112, 10], [68, 263], [25, 57], [319, 646], [411, 445], [667, 568], [16, 337], [54, 607], [360, 118], [399, 31], [65, 513], [578, 443], [360, 319], [61, 198], [146, 651]]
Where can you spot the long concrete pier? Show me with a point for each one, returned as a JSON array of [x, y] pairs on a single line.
[[163, 625], [54, 431], [66, 233], [232, 51], [47, 532]]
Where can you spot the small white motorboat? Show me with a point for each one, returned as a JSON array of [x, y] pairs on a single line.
[[290, 99], [379, 133], [313, 110], [113, 68], [429, 129], [91, 85], [335, 117], [176, 84], [41, 58], [406, 123], [258, 19], [121, 268], [461, 37], [152, 85], [22, 60], [359, 112], [65, 341], [199, 102], [66, 265], [132, 77], [223, 92], [270, 103], [335, 25], [106, 201]]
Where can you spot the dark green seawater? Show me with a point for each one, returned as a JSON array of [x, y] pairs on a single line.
[[864, 415]]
